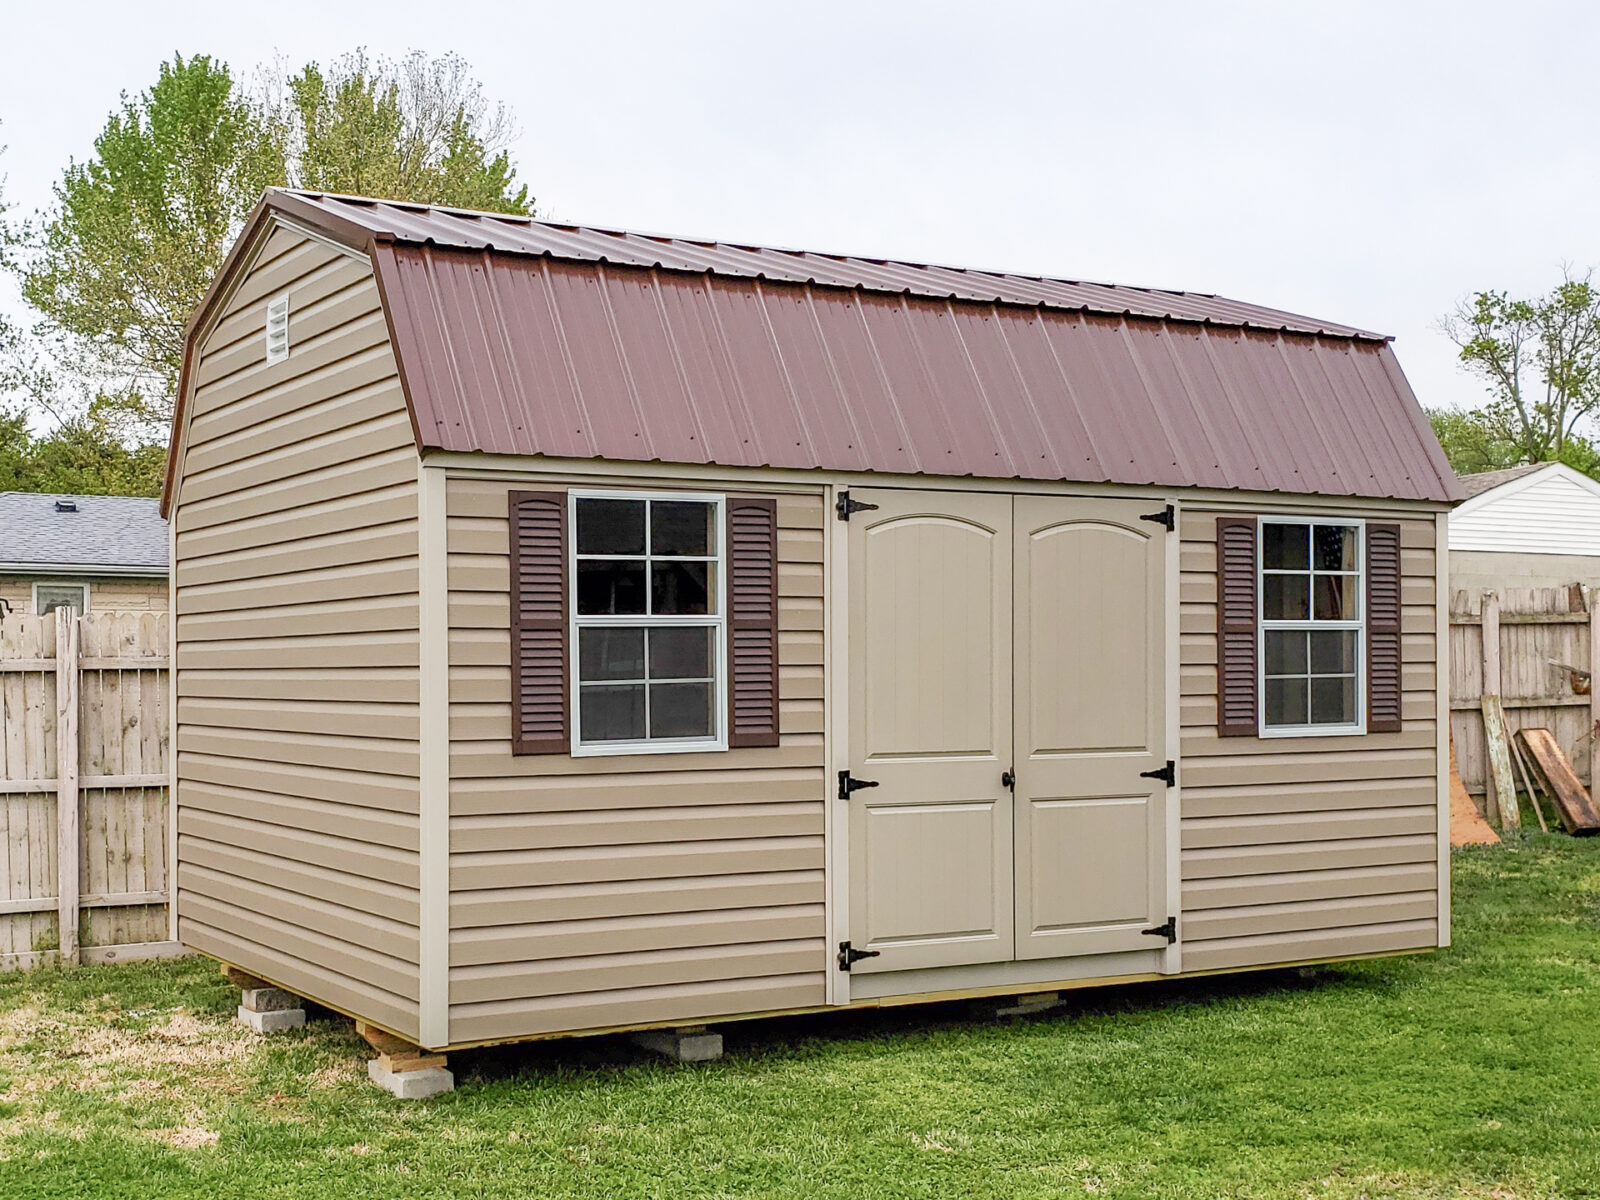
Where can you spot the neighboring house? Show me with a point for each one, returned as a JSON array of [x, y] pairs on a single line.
[[1537, 525], [81, 552], [586, 630]]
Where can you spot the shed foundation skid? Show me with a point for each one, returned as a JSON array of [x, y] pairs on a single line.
[[267, 1009], [682, 1045], [404, 1070], [994, 1008]]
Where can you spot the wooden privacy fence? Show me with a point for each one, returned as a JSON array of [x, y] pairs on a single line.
[[83, 787], [1541, 644]]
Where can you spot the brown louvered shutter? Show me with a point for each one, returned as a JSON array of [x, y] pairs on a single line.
[[539, 704], [752, 621], [1383, 628], [1236, 627]]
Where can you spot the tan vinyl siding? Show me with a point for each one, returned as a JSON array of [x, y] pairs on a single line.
[[105, 594], [297, 645], [605, 891], [1305, 848]]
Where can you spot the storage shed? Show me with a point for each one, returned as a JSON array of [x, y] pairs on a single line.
[[580, 630]]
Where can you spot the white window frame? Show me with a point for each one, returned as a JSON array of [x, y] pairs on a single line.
[[60, 583], [717, 622], [1359, 525]]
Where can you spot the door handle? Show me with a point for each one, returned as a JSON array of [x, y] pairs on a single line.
[[1008, 780]]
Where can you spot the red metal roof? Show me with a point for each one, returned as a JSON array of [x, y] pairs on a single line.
[[519, 337], [361, 220]]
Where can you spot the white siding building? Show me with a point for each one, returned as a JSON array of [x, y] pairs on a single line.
[[1536, 525]]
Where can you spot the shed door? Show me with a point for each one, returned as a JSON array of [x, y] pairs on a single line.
[[1090, 718], [930, 721]]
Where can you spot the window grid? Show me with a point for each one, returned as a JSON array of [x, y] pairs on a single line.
[[1311, 623], [715, 621]]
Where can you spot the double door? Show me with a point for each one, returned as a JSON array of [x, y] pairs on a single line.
[[1008, 699]]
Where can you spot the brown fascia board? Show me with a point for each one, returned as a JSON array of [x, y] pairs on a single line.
[[257, 225]]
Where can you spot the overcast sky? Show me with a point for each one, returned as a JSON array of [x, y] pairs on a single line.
[[1368, 163]]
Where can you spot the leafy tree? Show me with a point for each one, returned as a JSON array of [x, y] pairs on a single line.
[[1541, 361], [1473, 442], [86, 455], [418, 129], [139, 230]]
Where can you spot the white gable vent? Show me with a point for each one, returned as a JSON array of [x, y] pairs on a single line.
[[277, 329]]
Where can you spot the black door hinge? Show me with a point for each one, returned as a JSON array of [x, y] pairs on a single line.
[[1008, 780], [1168, 931], [849, 955], [1168, 516], [848, 785], [1167, 774], [849, 504]]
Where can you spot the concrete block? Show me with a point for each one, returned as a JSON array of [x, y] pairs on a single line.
[[411, 1085], [683, 1045], [994, 1007], [267, 999], [274, 1020]]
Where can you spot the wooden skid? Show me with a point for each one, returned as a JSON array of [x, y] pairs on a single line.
[[1555, 774]]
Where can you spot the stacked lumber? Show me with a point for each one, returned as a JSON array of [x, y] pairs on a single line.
[[1549, 770]]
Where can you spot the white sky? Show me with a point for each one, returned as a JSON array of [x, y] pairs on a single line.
[[1368, 163]]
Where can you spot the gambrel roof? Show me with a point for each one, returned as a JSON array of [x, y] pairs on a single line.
[[516, 336]]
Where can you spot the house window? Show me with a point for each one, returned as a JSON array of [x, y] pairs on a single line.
[[47, 597], [1312, 626], [648, 615]]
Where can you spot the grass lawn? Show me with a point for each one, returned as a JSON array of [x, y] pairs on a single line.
[[1468, 1073]]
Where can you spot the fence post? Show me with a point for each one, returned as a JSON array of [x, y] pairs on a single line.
[[67, 836], [1594, 692]]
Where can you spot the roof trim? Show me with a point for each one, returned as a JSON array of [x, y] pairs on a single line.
[[90, 569], [1522, 482]]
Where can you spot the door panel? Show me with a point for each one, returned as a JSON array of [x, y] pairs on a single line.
[[1090, 717], [930, 722]]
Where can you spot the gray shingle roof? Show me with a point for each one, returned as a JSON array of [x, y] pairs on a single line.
[[120, 534], [1476, 485]]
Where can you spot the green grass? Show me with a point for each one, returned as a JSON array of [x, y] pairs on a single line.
[[1472, 1072]]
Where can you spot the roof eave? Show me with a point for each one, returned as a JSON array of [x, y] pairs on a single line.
[[72, 568]]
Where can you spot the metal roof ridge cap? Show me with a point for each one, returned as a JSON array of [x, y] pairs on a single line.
[[753, 247], [1347, 333]]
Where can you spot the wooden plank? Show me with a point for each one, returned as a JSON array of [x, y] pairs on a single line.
[[1467, 826], [90, 900], [99, 662], [67, 782], [1512, 703], [86, 783], [1527, 783], [1499, 750], [1495, 784], [38, 636], [1594, 690], [1577, 811], [1525, 618]]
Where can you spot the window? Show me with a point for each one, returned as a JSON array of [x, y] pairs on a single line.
[[47, 597], [1312, 626], [648, 615]]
